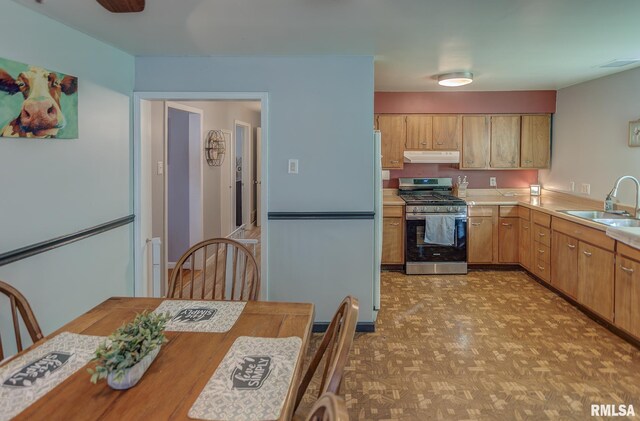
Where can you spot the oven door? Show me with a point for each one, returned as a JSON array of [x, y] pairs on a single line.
[[417, 250]]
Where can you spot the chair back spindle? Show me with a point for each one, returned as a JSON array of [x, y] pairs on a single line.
[[19, 307]]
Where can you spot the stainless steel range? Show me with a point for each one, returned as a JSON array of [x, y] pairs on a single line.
[[436, 226]]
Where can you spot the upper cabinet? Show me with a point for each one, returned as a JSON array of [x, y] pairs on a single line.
[[394, 133], [475, 142], [447, 132], [505, 141], [419, 132], [536, 141]]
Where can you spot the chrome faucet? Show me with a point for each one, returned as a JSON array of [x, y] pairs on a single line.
[[614, 192]]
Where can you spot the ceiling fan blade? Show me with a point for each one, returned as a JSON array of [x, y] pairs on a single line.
[[123, 6]]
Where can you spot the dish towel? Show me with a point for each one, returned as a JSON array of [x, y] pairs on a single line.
[[440, 229]]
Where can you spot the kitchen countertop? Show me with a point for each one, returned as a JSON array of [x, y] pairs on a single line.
[[628, 235], [391, 198]]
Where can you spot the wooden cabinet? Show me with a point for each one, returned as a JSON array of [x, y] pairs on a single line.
[[564, 273], [480, 239], [524, 238], [541, 245], [419, 132], [475, 142], [447, 132], [627, 292], [595, 279], [505, 141], [507, 240], [535, 141], [393, 131], [393, 235]]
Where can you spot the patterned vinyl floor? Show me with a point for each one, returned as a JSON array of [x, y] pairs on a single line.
[[491, 345]]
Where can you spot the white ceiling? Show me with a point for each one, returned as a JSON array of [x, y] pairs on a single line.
[[507, 44]]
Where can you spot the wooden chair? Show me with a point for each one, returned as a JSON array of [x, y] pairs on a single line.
[[20, 304], [329, 407], [216, 269], [336, 343]]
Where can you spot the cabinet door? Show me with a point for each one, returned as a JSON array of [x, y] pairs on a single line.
[[475, 142], [524, 243], [536, 141], [393, 131], [392, 240], [447, 132], [480, 239], [595, 279], [627, 296], [419, 132], [505, 141], [508, 240], [564, 267]]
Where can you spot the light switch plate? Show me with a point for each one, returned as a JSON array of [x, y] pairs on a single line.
[[293, 166], [160, 168], [585, 188]]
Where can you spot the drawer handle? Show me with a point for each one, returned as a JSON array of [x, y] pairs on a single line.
[[423, 143], [628, 270], [394, 161], [525, 227], [541, 234], [439, 143], [540, 251], [395, 224], [506, 225], [571, 246], [475, 224], [586, 253], [540, 267], [528, 161]]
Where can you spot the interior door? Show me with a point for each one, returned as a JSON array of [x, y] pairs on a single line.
[[258, 180]]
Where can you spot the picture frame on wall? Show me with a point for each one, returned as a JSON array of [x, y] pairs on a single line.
[[634, 133]]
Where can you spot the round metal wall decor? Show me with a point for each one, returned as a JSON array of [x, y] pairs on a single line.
[[215, 148]]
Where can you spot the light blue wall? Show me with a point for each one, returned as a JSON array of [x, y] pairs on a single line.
[[320, 112], [55, 187]]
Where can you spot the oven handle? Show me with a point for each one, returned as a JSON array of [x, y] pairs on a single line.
[[421, 216]]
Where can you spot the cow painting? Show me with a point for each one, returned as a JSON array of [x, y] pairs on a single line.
[[37, 103]]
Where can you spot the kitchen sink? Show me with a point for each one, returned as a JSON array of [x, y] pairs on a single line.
[[624, 222], [605, 218]]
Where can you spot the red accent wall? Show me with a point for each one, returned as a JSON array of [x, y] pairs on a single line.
[[498, 102], [465, 102], [478, 179]]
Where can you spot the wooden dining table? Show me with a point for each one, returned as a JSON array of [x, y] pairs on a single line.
[[179, 373]]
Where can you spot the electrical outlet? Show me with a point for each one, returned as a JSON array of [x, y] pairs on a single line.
[[585, 188], [493, 182], [160, 167], [572, 186], [293, 166]]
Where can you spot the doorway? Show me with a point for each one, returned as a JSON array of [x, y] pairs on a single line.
[[146, 166]]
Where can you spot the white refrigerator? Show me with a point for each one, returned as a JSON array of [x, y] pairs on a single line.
[[377, 209]]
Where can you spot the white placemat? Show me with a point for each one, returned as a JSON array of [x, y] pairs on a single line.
[[32, 375], [201, 316], [251, 382]]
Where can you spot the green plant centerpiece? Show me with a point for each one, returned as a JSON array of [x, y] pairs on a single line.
[[124, 357]]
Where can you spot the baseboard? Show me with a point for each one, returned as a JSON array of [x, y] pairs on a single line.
[[368, 327]]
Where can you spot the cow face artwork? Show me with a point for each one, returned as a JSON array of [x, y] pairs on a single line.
[[37, 103]]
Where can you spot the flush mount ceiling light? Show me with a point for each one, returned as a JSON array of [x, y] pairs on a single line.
[[455, 79]]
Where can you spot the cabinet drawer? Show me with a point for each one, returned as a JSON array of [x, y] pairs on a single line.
[[542, 252], [542, 270], [542, 235], [481, 210], [583, 233], [541, 218], [389, 211], [509, 211], [628, 251], [524, 213]]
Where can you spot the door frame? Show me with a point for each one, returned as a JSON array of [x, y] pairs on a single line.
[[142, 286], [196, 230], [246, 165]]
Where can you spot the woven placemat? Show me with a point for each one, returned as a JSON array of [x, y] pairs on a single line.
[[32, 375], [201, 316], [251, 382]]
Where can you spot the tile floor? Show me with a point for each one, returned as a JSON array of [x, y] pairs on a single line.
[[491, 345]]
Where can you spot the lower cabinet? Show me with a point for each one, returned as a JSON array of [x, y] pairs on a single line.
[[480, 239], [595, 279], [564, 273], [393, 235], [627, 293], [524, 243], [507, 239]]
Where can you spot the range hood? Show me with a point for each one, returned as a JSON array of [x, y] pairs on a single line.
[[432, 157]]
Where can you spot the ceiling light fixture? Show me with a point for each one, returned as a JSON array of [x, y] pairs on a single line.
[[455, 79]]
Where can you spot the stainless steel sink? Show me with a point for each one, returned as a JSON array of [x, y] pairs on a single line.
[[605, 218], [628, 222]]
